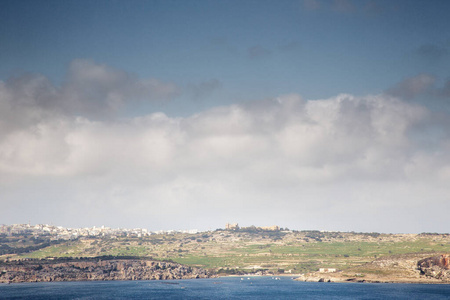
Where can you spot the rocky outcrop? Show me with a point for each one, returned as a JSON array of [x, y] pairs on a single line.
[[435, 267], [92, 269], [403, 268]]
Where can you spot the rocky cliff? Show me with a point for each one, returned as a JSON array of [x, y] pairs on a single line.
[[96, 269], [435, 267], [405, 268]]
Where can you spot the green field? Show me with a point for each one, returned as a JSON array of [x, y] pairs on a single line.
[[237, 252]]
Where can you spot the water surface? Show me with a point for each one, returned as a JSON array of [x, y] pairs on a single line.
[[221, 288]]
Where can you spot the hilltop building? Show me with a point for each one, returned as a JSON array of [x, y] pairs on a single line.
[[271, 228], [233, 226]]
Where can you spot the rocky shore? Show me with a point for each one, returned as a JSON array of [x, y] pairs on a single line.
[[96, 269], [413, 268], [435, 267]]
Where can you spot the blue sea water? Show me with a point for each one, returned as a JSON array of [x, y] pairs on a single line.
[[221, 288]]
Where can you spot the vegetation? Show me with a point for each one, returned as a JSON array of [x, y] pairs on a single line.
[[17, 244], [237, 252]]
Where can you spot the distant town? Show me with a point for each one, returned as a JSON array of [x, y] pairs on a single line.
[[62, 233], [59, 232]]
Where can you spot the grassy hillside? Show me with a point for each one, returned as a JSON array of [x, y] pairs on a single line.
[[240, 251]]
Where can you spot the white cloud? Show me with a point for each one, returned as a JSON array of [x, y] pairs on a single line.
[[336, 163]]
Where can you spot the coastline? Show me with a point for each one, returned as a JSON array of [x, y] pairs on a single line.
[[338, 279], [335, 279], [372, 280], [99, 269], [412, 268], [294, 277]]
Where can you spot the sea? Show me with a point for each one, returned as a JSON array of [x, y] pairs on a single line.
[[261, 287]]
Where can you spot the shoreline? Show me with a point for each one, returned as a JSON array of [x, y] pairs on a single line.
[[298, 277], [294, 278], [369, 279]]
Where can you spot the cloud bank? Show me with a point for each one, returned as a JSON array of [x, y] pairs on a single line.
[[372, 163], [90, 89]]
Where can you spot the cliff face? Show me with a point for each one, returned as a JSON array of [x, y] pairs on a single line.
[[412, 268], [116, 269], [436, 267]]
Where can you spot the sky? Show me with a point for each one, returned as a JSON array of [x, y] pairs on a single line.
[[166, 115]]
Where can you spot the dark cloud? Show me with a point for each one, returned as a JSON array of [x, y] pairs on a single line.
[[204, 89], [26, 100], [258, 51], [424, 89], [412, 87], [222, 44], [292, 46], [90, 90], [96, 89], [445, 90], [312, 4], [343, 6], [374, 7], [340, 6], [371, 7], [32, 90], [433, 51]]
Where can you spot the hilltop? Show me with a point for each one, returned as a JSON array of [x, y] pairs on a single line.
[[250, 250]]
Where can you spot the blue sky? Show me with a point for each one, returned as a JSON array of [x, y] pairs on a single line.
[[257, 112], [252, 49]]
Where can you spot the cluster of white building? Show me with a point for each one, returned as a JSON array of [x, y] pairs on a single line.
[[59, 232]]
